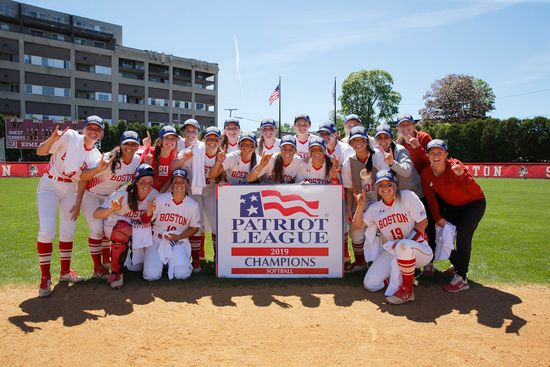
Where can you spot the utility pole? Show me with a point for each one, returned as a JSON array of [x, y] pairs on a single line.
[[230, 111]]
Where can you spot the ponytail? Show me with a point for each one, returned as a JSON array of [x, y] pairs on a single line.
[[132, 196], [117, 152], [278, 169], [328, 165]]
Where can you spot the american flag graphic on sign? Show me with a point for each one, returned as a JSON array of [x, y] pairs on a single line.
[[255, 203]]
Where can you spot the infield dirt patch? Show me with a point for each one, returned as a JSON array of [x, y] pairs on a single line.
[[276, 323]]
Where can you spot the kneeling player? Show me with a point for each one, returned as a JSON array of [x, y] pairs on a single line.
[[121, 213], [401, 218], [176, 217]]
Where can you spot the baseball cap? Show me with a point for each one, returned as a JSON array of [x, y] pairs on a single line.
[[144, 170], [352, 117], [316, 141], [329, 127], [129, 136], [288, 140], [167, 130], [268, 122], [384, 175], [180, 173], [231, 120], [358, 132], [96, 120], [404, 117], [383, 129], [191, 122], [248, 136], [213, 130], [437, 143], [302, 116]]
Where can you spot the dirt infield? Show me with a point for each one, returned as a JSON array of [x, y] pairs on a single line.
[[274, 323]]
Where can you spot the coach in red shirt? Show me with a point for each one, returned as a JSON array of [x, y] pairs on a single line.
[[455, 197]]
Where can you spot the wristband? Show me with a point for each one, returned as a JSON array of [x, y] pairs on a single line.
[[416, 236]]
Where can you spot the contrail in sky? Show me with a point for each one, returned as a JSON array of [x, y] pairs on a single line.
[[237, 59]]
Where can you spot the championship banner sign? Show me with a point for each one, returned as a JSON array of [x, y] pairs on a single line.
[[28, 134], [280, 231]]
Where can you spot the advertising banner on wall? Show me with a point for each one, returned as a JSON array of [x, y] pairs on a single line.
[[280, 231]]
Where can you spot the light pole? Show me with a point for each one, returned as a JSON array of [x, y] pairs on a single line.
[[230, 111]]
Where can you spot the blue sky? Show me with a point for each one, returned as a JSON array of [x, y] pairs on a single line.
[[506, 43]]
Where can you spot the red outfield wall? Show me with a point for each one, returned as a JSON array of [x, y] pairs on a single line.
[[496, 170]]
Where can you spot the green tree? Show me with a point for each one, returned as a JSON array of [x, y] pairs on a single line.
[[458, 98], [370, 95]]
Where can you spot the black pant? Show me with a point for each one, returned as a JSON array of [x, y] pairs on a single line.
[[465, 218]]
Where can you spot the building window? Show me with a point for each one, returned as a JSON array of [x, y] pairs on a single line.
[[37, 33], [102, 70], [182, 104], [99, 44], [131, 75], [58, 37], [37, 116], [102, 96], [4, 27], [47, 62], [8, 87], [47, 90], [157, 102], [80, 41]]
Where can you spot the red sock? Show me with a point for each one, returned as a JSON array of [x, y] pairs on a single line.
[[359, 253], [202, 255], [44, 257], [95, 251], [195, 250], [106, 250], [65, 253], [407, 271], [346, 249]]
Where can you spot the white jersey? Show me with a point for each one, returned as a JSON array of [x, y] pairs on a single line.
[[367, 184], [397, 220], [342, 151], [87, 158], [125, 213], [289, 172], [208, 163], [311, 174], [302, 147], [236, 170], [107, 182], [232, 148], [275, 148], [176, 218]]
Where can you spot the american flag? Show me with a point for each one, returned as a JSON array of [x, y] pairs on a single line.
[[255, 203], [275, 95]]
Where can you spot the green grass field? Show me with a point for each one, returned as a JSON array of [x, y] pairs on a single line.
[[509, 246]]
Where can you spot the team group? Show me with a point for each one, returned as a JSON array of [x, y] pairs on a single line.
[[151, 211]]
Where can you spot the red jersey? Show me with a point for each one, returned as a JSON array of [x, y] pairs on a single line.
[[164, 172], [419, 156], [454, 190]]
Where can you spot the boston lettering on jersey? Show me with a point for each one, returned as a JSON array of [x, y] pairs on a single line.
[[134, 214], [173, 218], [393, 218]]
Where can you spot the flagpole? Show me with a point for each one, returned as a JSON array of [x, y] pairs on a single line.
[[280, 107], [334, 100]]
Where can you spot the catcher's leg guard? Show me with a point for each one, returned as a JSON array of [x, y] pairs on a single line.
[[120, 236]]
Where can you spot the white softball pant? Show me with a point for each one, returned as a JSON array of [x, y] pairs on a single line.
[[52, 195], [90, 202], [179, 263], [382, 266]]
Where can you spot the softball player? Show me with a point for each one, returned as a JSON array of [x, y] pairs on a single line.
[[319, 168], [268, 143], [278, 168], [161, 155], [175, 217], [401, 219], [416, 143], [96, 185], [335, 148], [71, 153], [454, 196], [302, 124], [231, 133], [237, 164], [358, 172], [127, 205]]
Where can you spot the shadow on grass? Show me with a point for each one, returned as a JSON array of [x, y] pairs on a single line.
[[75, 304]]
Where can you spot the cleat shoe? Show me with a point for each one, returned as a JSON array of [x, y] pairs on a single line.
[[107, 266], [197, 269], [71, 276], [101, 273], [45, 287], [428, 271], [458, 284], [449, 273], [401, 296], [116, 281], [356, 268]]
